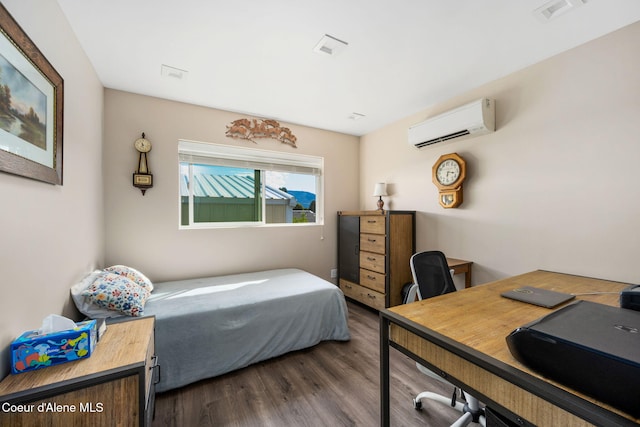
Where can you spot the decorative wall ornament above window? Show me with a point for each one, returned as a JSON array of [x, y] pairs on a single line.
[[259, 128]]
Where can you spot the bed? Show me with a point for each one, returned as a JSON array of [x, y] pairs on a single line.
[[210, 326]]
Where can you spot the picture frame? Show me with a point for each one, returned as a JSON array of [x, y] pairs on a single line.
[[31, 107]]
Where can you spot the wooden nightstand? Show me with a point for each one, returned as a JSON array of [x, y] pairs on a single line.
[[115, 386]]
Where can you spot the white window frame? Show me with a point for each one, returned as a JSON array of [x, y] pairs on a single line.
[[194, 152]]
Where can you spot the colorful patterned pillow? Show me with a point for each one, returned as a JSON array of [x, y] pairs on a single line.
[[84, 304], [115, 292], [131, 274]]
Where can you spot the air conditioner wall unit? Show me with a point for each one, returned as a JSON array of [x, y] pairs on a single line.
[[473, 119]]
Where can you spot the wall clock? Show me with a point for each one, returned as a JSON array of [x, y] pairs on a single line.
[[142, 178], [448, 174]]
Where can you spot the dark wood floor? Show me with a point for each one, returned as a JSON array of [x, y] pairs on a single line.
[[330, 384]]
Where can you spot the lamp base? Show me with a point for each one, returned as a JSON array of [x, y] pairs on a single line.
[[380, 204]]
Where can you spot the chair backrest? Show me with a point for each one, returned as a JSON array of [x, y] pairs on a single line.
[[431, 273]]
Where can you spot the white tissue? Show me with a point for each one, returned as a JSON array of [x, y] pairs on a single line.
[[54, 323]]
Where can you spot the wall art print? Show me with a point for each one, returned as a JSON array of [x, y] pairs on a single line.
[[31, 107]]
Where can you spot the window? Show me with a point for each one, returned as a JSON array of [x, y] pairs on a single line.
[[222, 185]]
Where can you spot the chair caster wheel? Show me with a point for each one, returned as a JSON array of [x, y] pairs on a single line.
[[417, 405]]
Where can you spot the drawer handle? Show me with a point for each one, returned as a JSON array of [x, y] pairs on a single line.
[[371, 258], [154, 362], [348, 286], [371, 296], [371, 277], [155, 366], [372, 240], [372, 221]]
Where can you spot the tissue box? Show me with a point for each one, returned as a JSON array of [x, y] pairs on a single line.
[[33, 350]]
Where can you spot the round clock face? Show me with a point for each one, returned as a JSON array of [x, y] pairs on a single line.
[[142, 145], [448, 172]]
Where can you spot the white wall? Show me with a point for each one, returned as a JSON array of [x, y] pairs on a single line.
[[556, 187], [553, 188], [142, 231], [53, 235]]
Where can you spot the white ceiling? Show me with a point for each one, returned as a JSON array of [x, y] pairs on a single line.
[[256, 57]]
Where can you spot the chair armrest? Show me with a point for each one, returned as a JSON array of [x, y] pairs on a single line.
[[412, 294]]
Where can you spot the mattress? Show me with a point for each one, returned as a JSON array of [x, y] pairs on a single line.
[[210, 326]]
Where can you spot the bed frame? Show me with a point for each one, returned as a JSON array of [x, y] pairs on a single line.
[[210, 326]]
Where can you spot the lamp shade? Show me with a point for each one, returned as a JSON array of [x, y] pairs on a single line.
[[380, 189]]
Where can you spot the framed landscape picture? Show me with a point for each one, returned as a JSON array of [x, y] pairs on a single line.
[[31, 107]]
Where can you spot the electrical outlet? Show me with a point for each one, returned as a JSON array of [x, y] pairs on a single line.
[[334, 273]]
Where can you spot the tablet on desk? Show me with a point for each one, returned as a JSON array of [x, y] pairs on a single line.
[[538, 296]]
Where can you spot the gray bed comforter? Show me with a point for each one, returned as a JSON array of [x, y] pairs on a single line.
[[207, 327]]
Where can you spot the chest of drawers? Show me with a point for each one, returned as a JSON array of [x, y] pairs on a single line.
[[374, 249]]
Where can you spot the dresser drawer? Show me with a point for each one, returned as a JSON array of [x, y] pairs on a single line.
[[372, 280], [364, 295], [372, 261], [372, 224], [372, 243]]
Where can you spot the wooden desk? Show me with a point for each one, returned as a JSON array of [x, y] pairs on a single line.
[[461, 266], [462, 336]]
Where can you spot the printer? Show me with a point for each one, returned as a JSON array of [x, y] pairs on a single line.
[[589, 347]]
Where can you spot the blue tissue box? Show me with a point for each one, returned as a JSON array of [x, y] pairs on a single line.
[[31, 350]]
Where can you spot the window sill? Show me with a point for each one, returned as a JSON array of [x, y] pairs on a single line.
[[209, 226]]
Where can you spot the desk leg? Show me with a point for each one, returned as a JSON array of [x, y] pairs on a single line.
[[384, 371]]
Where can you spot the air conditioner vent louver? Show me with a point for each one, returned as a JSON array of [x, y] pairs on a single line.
[[475, 118], [443, 138]]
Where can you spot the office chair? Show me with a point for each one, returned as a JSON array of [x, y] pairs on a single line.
[[432, 277]]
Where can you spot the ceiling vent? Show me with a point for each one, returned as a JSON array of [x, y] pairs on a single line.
[[173, 73], [553, 9], [330, 45]]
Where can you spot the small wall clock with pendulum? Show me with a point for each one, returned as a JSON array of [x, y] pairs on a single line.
[[448, 174], [142, 177]]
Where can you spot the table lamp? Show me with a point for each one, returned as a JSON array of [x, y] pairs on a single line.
[[379, 191]]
